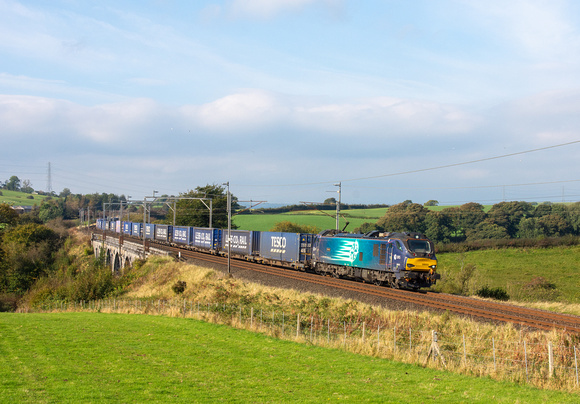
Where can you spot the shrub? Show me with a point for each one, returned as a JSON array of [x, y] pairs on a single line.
[[493, 293], [8, 302], [179, 287]]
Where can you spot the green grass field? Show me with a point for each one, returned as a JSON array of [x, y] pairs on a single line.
[[96, 357], [513, 268], [20, 198], [265, 221]]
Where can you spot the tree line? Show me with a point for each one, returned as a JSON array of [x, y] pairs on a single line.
[[471, 222]]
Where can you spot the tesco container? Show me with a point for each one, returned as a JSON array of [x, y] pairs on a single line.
[[286, 247], [127, 227], [183, 235]]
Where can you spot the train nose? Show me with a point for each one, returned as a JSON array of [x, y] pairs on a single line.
[[421, 264]]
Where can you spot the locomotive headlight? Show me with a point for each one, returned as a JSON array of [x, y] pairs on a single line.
[[433, 267], [410, 265]]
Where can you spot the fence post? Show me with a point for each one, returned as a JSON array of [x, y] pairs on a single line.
[[550, 360], [298, 325], [251, 317], [394, 339], [378, 336], [345, 334], [494, 364], [363, 332], [526, 359], [311, 325], [328, 330], [576, 365], [464, 351], [410, 341]]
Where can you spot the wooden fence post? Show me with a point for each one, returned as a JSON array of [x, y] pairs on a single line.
[[298, 325], [550, 360]]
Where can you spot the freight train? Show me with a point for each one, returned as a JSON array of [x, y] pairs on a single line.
[[399, 260]]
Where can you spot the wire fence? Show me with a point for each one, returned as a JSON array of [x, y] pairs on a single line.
[[543, 364]]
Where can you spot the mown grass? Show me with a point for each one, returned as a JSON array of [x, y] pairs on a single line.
[[20, 198], [97, 357], [514, 268]]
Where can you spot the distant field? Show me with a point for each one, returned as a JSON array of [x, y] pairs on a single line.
[[265, 221], [20, 198], [96, 357]]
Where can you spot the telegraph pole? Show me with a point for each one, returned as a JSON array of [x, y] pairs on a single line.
[[339, 185], [229, 226]]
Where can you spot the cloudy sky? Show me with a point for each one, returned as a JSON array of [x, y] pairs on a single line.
[[452, 100]]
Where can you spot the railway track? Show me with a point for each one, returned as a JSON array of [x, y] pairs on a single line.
[[482, 309]]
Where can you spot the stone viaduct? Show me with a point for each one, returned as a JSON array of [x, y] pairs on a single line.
[[120, 253]]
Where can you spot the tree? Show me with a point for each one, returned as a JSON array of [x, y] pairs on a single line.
[[289, 227], [27, 187], [13, 184], [404, 217], [8, 216], [439, 227], [330, 201], [487, 230], [465, 218], [509, 215], [64, 193], [28, 252], [431, 202], [51, 210], [195, 213]]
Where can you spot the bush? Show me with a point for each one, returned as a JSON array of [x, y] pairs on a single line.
[[493, 293], [179, 287], [8, 302]]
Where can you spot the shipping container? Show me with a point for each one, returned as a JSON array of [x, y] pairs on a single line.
[[243, 242], [137, 229], [183, 235], [163, 232], [118, 226], [206, 239], [293, 248], [149, 230], [127, 227]]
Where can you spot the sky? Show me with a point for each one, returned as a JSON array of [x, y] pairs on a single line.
[[451, 100]]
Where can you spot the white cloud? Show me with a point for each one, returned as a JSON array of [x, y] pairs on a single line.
[[270, 8]]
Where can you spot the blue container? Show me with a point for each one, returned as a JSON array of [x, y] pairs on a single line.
[[149, 231], [243, 242], [183, 235], [100, 224], [137, 229], [127, 227], [206, 239], [163, 232], [286, 247]]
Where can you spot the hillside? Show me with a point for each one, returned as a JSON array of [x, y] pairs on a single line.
[[17, 198]]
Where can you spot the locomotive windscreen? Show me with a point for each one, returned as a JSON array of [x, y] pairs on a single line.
[[419, 246]]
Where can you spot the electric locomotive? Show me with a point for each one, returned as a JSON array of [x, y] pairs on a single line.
[[399, 260]]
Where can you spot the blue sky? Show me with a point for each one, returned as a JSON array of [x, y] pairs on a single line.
[[284, 98]]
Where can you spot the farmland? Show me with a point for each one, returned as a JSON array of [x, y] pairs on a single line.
[[20, 198], [323, 221]]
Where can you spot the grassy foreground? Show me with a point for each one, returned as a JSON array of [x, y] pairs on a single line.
[[97, 357]]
